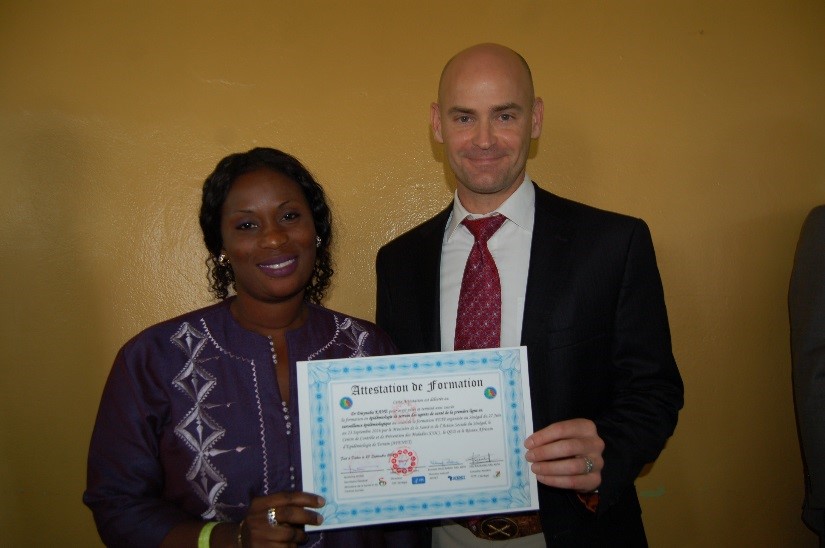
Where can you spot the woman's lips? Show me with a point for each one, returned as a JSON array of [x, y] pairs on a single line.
[[279, 267]]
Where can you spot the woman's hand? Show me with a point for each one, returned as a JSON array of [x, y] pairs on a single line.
[[290, 513]]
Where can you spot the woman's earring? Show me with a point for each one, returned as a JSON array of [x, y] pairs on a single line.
[[318, 241], [222, 260]]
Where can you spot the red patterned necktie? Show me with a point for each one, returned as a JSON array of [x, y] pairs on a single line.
[[478, 322]]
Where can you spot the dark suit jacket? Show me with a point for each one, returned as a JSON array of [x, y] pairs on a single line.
[[806, 305], [597, 339]]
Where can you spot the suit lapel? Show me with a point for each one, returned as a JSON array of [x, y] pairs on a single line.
[[549, 262], [429, 273]]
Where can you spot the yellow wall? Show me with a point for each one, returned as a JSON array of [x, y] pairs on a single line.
[[705, 118]]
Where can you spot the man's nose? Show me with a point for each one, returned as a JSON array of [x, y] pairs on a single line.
[[484, 136]]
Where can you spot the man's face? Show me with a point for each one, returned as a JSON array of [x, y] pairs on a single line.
[[485, 118]]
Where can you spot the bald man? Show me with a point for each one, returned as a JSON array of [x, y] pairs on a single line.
[[579, 288]]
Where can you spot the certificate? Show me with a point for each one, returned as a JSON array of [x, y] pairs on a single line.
[[416, 436]]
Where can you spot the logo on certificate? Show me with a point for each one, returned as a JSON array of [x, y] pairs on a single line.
[[490, 392], [403, 461], [346, 402], [416, 480]]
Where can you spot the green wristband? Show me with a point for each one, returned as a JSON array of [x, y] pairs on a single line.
[[206, 532]]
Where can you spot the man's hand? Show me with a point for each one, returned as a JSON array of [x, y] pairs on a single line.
[[567, 455]]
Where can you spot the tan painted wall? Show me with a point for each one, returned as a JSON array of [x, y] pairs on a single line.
[[705, 118]]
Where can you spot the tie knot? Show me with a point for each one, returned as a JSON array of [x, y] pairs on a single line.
[[482, 229]]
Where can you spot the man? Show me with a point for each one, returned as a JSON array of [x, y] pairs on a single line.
[[578, 286], [806, 306]]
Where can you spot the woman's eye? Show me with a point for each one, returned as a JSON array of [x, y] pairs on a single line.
[[246, 225], [291, 216]]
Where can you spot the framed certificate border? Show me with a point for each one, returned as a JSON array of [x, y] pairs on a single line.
[[320, 440]]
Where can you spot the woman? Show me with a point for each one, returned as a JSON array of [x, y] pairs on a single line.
[[196, 439]]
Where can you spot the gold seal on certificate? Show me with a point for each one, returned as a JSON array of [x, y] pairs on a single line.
[[416, 436]]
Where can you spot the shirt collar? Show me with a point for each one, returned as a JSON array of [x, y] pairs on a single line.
[[518, 208]]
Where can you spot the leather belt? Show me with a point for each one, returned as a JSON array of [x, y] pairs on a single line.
[[503, 527]]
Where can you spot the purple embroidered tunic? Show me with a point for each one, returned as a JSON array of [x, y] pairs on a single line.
[[191, 425]]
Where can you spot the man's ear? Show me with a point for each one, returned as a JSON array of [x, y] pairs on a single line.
[[538, 118], [435, 122]]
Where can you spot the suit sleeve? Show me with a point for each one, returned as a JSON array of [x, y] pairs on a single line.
[[806, 307], [648, 390]]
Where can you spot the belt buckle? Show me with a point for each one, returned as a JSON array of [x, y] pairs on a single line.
[[499, 528]]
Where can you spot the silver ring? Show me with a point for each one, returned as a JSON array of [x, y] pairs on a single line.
[[588, 465], [272, 517]]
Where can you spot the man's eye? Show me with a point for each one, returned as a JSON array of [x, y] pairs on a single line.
[[506, 117], [463, 119]]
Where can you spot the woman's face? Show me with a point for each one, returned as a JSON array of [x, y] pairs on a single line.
[[268, 236]]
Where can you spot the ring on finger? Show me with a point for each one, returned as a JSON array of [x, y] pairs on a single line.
[[272, 517], [588, 465]]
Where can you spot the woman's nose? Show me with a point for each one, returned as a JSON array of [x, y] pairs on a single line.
[[274, 237]]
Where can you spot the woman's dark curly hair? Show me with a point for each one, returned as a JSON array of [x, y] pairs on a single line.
[[216, 188]]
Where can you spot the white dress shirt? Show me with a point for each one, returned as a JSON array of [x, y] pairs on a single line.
[[510, 248]]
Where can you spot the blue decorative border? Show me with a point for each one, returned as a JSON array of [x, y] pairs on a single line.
[[409, 507]]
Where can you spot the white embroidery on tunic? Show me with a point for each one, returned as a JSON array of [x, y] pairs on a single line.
[[259, 407], [355, 335], [201, 432], [197, 429]]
